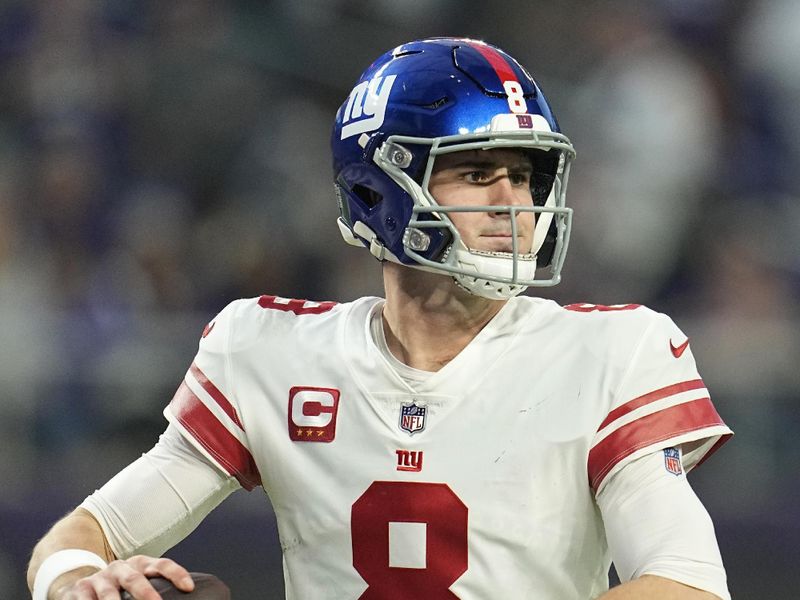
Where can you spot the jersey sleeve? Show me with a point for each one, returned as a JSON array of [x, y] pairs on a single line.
[[661, 401], [160, 498], [204, 408], [656, 525]]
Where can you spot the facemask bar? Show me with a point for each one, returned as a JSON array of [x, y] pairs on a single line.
[[564, 224], [392, 157]]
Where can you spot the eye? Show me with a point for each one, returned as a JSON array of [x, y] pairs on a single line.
[[521, 178], [475, 176]]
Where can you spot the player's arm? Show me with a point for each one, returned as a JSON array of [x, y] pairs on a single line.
[[657, 588], [144, 510], [78, 540], [660, 535]]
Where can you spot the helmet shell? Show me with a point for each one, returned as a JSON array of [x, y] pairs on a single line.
[[424, 98], [434, 88]]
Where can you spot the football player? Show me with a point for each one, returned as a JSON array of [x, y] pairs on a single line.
[[455, 439]]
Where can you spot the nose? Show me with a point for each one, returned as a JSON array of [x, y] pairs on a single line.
[[501, 193]]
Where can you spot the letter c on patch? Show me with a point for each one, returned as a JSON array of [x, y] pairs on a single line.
[[312, 413]]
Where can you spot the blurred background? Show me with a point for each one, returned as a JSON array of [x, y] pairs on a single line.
[[159, 159]]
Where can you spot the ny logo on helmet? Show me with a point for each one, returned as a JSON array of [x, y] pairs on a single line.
[[366, 106]]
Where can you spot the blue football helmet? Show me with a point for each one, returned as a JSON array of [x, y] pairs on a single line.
[[433, 97]]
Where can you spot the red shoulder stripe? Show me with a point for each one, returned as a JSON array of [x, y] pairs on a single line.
[[665, 392], [651, 429], [214, 392], [212, 435]]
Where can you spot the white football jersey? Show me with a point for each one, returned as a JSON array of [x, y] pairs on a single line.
[[476, 482]]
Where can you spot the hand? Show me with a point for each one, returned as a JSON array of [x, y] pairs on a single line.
[[130, 575]]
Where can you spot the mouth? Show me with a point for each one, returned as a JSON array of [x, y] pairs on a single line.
[[503, 235], [502, 242]]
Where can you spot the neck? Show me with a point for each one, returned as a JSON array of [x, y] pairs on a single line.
[[428, 319]]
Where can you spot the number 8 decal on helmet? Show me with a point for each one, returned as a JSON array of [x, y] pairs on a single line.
[[516, 97]]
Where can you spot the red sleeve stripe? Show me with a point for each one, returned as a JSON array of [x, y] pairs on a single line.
[[212, 435], [494, 58], [649, 430], [214, 392], [660, 394]]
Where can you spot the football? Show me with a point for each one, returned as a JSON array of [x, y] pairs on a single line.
[[206, 587]]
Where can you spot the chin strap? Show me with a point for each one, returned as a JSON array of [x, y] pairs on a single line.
[[347, 233], [495, 265], [488, 289], [362, 235]]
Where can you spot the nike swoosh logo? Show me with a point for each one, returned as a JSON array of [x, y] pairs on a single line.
[[677, 351]]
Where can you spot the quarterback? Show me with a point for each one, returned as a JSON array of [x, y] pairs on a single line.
[[454, 439]]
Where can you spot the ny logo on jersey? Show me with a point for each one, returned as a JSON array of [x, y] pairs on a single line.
[[312, 414], [412, 417], [409, 460], [366, 106]]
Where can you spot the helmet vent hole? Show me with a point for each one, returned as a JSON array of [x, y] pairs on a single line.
[[407, 53], [366, 195]]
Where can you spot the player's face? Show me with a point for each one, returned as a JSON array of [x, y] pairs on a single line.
[[486, 178]]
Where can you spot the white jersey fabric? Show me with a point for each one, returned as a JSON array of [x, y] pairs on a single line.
[[478, 481]]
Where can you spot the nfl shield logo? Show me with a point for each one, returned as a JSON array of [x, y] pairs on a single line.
[[672, 461], [412, 418]]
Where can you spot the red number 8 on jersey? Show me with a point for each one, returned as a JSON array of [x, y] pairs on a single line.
[[444, 518]]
